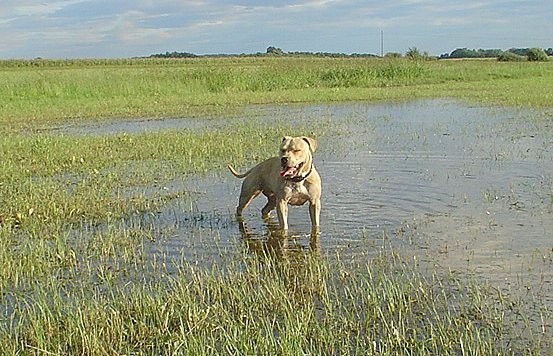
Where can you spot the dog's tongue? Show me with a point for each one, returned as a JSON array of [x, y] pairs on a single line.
[[287, 171]]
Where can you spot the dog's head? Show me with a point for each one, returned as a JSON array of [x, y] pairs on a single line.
[[296, 156]]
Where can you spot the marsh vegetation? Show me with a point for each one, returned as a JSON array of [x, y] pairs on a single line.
[[109, 246]]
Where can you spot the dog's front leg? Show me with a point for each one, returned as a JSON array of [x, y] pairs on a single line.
[[314, 214], [282, 212]]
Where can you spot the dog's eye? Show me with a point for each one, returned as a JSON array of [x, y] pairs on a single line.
[[297, 151]]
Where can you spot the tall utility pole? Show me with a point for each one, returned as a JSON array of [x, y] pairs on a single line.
[[381, 43]]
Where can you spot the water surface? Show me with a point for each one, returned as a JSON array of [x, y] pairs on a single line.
[[466, 187]]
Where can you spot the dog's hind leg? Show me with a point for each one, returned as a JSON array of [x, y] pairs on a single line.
[[246, 196], [271, 204]]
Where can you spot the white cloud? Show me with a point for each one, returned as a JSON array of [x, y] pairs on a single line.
[[127, 27], [312, 4], [41, 8]]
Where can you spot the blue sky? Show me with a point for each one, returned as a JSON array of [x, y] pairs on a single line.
[[128, 28]]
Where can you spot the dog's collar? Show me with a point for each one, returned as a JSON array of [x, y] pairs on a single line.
[[301, 178]]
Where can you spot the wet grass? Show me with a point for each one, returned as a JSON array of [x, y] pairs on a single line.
[[302, 304], [76, 280], [54, 180]]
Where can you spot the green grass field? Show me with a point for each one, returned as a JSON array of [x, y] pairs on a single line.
[[67, 293], [38, 92]]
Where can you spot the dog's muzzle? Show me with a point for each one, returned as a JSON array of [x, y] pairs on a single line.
[[287, 171]]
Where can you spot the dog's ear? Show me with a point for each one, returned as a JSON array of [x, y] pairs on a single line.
[[286, 138], [311, 142]]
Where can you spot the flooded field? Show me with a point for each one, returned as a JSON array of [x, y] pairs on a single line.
[[432, 211], [467, 188]]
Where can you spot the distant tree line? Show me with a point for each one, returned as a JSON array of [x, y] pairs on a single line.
[[512, 54], [271, 51], [174, 55]]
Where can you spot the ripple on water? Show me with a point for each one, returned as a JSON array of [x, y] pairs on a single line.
[[468, 185]]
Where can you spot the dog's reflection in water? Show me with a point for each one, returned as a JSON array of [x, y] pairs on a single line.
[[290, 259], [275, 243]]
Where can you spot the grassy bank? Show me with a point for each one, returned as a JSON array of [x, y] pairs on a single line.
[[34, 93]]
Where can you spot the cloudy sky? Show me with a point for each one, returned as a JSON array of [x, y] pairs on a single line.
[[128, 28]]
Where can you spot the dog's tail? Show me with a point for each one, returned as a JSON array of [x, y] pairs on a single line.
[[236, 174]]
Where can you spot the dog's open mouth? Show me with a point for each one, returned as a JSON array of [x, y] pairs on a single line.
[[290, 172]]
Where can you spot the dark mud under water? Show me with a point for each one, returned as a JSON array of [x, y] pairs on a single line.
[[467, 188]]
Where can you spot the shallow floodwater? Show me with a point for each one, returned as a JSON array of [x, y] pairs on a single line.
[[469, 188]]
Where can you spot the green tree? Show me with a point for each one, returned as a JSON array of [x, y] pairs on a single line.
[[462, 53], [536, 55], [510, 57], [274, 51], [519, 51], [413, 53], [393, 55]]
